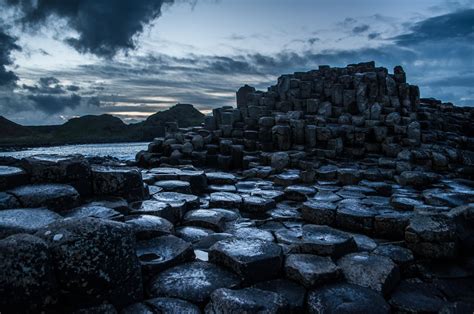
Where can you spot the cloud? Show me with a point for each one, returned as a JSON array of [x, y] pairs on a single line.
[[7, 45], [46, 85], [360, 29], [104, 27], [54, 104], [457, 25]]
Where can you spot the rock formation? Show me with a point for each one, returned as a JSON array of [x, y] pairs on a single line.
[[339, 191]]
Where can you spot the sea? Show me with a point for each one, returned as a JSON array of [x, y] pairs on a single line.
[[122, 151]]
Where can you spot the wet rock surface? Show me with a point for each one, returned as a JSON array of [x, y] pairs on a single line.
[[337, 190]]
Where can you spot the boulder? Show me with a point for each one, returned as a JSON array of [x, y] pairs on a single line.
[[319, 212], [156, 208], [94, 261]]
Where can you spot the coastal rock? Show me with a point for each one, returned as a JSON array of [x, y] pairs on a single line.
[[158, 254], [225, 200], [206, 218], [325, 241], [11, 177], [118, 181], [94, 261], [379, 273], [8, 201], [174, 186], [148, 226], [162, 305], [346, 298], [73, 169], [193, 282], [27, 281], [280, 161], [57, 197], [93, 211], [252, 259], [311, 270], [293, 293], [29, 220], [248, 300]]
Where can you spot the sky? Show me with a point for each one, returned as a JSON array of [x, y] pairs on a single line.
[[131, 58]]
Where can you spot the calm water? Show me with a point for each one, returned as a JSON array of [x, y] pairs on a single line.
[[123, 151]]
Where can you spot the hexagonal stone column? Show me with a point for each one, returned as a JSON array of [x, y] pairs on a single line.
[[311, 270], [377, 272], [248, 300], [193, 282], [252, 259], [11, 177], [346, 298]]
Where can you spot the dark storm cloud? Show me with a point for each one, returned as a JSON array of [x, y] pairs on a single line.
[[360, 29], [458, 25], [46, 85], [53, 104], [373, 35], [7, 45], [104, 27]]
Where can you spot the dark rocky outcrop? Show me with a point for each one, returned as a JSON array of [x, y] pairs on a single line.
[[335, 191]]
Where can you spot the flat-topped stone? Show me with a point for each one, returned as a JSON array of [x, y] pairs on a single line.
[[376, 272], [253, 233], [29, 220], [417, 298], [193, 282], [54, 196], [311, 270], [255, 204], [160, 253], [8, 201], [324, 240], [252, 259], [354, 216], [205, 218], [187, 201], [293, 293], [93, 211], [319, 212], [346, 298], [225, 200], [155, 208], [148, 226], [174, 186], [11, 177], [162, 305], [299, 193], [220, 178], [248, 300], [192, 234], [117, 181]]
